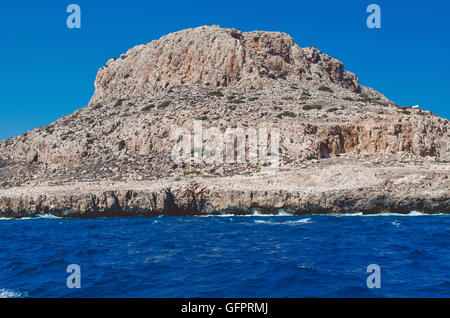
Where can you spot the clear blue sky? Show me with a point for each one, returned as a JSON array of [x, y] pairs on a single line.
[[48, 70]]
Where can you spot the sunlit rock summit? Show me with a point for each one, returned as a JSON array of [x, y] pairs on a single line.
[[221, 57]]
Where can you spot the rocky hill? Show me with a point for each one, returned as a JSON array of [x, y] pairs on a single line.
[[225, 78], [220, 57]]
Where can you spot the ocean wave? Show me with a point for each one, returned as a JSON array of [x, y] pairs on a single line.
[[412, 213], [301, 221], [248, 249], [37, 217], [47, 216], [217, 215], [281, 212], [345, 214], [256, 213], [8, 293]]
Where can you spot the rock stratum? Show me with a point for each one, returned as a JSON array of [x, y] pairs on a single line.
[[343, 147]]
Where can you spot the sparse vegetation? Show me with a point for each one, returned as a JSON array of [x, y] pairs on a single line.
[[286, 114], [310, 107], [202, 117], [121, 144], [164, 104], [216, 94], [364, 98], [49, 130], [325, 89], [238, 100], [148, 107]]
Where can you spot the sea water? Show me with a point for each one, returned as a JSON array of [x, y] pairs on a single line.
[[227, 256]]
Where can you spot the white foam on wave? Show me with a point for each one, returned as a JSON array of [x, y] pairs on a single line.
[[8, 293], [216, 215], [37, 217], [412, 213], [47, 216], [345, 214], [281, 212], [296, 222]]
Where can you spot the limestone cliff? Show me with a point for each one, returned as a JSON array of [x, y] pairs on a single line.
[[220, 57], [228, 78]]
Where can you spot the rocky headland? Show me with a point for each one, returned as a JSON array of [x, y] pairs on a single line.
[[343, 147]]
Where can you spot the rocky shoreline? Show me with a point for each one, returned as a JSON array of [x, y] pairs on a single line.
[[323, 189]]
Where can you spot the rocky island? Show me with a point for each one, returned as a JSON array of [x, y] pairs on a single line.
[[340, 147]]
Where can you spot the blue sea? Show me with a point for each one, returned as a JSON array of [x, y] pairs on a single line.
[[227, 256]]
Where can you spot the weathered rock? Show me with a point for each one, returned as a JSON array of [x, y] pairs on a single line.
[[343, 187], [227, 79], [220, 57]]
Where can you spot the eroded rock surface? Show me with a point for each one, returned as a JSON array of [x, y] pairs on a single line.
[[226, 78], [220, 57]]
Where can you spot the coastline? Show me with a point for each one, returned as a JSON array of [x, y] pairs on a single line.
[[337, 188]]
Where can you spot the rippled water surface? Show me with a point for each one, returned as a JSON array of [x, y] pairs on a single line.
[[230, 256]]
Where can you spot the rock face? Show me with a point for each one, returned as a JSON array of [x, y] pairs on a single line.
[[221, 57], [328, 124], [329, 187]]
